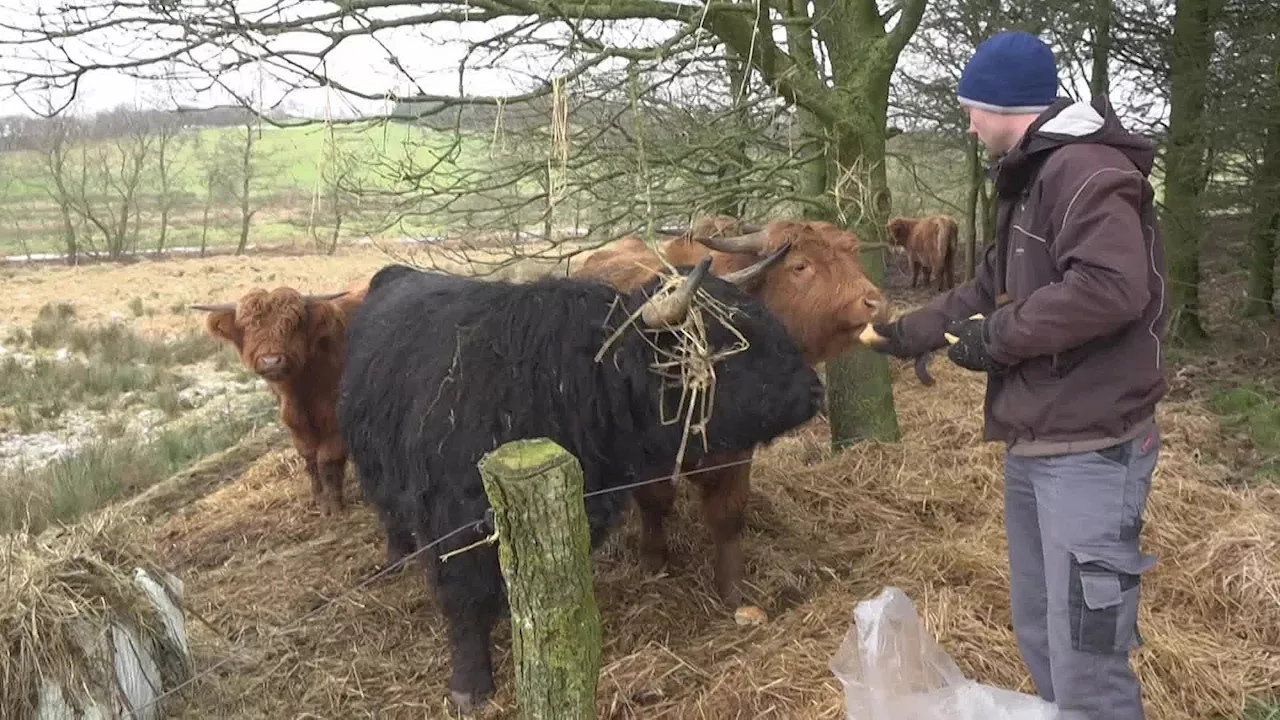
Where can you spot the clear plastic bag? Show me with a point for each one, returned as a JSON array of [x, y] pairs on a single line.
[[891, 668]]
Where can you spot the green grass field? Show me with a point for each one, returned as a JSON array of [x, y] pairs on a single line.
[[287, 188], [292, 172]]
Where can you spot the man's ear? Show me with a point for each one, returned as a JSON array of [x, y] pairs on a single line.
[[221, 324]]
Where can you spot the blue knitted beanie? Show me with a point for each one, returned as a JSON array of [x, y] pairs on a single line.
[[1012, 73]]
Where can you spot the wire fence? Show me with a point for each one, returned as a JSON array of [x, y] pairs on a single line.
[[483, 524]]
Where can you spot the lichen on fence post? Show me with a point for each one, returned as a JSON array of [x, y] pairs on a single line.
[[544, 549]]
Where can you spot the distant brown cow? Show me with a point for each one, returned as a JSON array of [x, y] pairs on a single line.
[[930, 245], [819, 292], [297, 343], [711, 227]]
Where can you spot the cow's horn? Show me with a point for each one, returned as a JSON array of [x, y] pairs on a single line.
[[744, 276], [671, 308], [752, 243], [322, 298], [751, 228], [215, 308]]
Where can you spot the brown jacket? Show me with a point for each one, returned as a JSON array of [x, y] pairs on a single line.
[[1073, 286]]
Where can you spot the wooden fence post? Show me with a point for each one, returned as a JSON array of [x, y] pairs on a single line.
[[544, 549]]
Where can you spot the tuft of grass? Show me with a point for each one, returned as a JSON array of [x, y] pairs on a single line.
[[1256, 410], [136, 307], [43, 390], [1258, 710], [53, 322], [56, 326], [119, 363], [114, 468]]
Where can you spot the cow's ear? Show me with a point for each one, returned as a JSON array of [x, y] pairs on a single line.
[[221, 324], [324, 322]]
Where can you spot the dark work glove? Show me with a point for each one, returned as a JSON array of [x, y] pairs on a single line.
[[970, 350], [890, 340]]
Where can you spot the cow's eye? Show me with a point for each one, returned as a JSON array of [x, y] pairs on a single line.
[[800, 267]]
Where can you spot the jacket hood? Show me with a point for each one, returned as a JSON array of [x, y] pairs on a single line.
[[1068, 122]]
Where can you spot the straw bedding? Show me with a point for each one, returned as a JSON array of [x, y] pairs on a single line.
[[55, 588], [823, 532]]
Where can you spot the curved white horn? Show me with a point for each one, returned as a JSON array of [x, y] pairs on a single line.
[[744, 276], [670, 309]]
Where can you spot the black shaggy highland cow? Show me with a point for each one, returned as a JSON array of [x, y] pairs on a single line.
[[441, 370]]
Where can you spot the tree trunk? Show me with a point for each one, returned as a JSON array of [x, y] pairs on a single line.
[[976, 180], [1264, 235], [1099, 79], [204, 221], [728, 200], [859, 383], [813, 175], [852, 107], [164, 227], [535, 487], [1186, 157], [166, 194], [246, 216], [338, 211]]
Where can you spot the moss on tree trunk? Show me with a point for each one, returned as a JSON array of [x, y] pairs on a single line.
[[1264, 234], [859, 383], [535, 487], [1186, 163]]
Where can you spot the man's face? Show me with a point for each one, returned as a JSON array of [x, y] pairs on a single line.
[[994, 130]]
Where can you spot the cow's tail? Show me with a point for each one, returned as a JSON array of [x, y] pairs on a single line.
[[952, 232], [948, 236]]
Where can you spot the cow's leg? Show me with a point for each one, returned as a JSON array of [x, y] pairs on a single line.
[[400, 541], [655, 503], [332, 457], [471, 597], [915, 272], [313, 472], [926, 271], [724, 499]]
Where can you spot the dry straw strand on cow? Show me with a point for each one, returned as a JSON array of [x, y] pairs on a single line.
[[689, 365], [57, 591]]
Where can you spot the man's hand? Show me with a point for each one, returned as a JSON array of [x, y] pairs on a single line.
[[969, 339], [885, 338]]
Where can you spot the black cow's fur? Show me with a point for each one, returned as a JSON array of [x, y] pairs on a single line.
[[441, 370]]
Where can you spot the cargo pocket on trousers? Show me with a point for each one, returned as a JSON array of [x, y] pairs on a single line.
[[1104, 593]]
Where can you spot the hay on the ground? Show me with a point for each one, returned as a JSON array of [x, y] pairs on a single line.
[[88, 625], [823, 532]]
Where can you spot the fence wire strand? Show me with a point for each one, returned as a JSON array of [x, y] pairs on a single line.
[[479, 525]]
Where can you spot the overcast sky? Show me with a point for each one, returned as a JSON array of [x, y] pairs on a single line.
[[430, 58]]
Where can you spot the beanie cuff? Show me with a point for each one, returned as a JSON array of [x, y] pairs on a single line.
[[1003, 110]]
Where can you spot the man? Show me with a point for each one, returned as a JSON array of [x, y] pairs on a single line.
[[1066, 317]]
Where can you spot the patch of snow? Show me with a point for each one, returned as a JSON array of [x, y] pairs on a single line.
[[21, 358], [213, 396], [206, 387]]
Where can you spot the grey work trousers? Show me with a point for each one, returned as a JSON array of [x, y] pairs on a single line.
[[1073, 525]]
